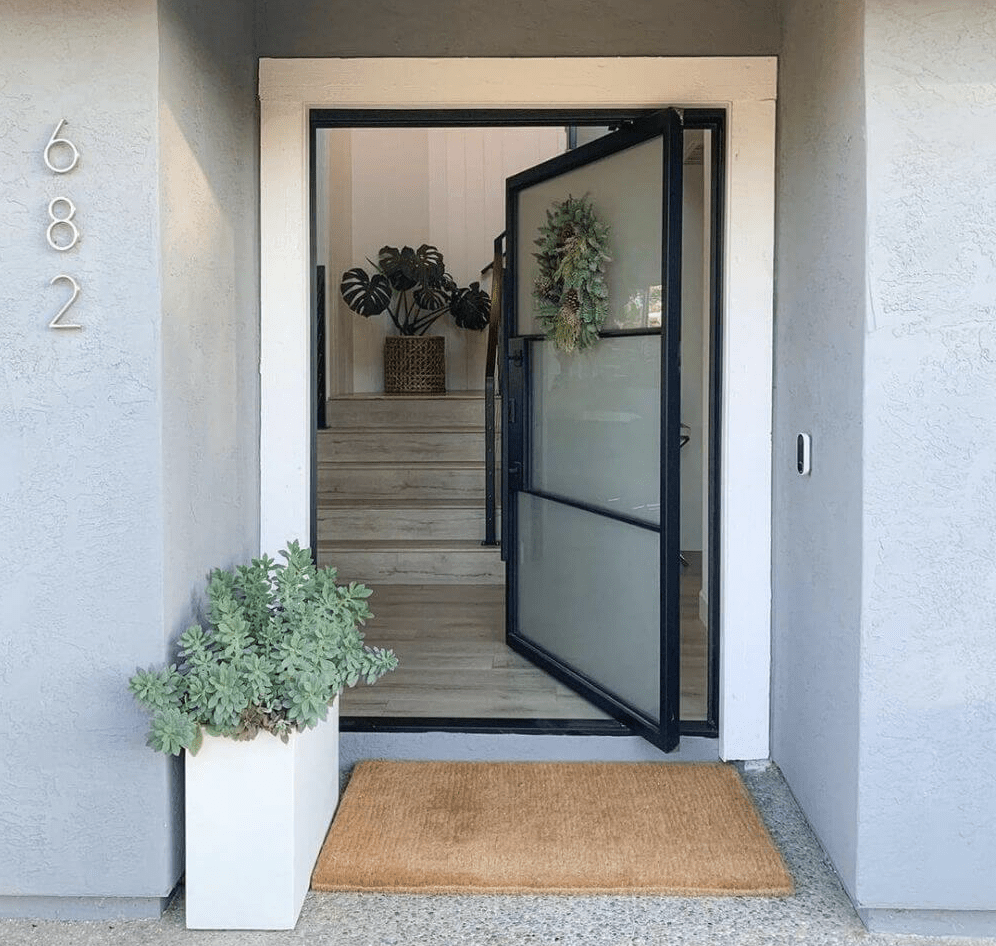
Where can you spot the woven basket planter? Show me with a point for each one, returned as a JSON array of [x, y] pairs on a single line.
[[414, 364]]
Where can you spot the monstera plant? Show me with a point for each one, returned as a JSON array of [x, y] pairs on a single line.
[[414, 289]]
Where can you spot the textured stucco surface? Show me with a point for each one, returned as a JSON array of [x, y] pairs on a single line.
[[928, 671], [819, 325], [130, 458], [884, 710], [128, 449], [209, 185], [84, 802], [289, 28], [208, 194]]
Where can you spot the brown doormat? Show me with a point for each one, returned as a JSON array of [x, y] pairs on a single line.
[[549, 828]]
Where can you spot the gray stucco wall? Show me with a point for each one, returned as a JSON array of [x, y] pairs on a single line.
[[209, 195], [819, 326], [884, 696], [130, 448], [290, 28], [84, 802], [928, 671]]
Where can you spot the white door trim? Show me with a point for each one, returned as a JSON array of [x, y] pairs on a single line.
[[745, 87]]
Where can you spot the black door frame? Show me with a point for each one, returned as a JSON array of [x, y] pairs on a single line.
[[713, 120]]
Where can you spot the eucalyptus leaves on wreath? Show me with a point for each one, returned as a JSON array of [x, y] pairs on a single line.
[[572, 299], [281, 643]]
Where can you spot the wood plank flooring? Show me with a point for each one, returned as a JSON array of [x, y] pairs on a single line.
[[453, 661], [400, 500]]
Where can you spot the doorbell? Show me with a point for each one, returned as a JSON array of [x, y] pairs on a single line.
[[803, 454]]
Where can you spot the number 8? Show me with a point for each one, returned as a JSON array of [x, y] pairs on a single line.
[[56, 140], [66, 221]]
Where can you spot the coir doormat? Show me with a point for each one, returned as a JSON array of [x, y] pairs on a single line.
[[549, 828]]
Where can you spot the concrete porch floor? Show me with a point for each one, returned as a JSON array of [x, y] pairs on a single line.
[[819, 914]]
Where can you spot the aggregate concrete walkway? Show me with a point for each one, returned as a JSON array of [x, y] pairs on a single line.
[[819, 914]]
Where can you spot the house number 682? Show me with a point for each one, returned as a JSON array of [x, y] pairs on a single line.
[[61, 156]]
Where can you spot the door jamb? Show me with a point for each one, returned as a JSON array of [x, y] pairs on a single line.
[[746, 89]]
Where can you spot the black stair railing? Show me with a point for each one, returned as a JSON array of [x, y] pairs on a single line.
[[490, 364]]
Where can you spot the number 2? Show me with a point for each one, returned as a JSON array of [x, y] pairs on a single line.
[[55, 323]]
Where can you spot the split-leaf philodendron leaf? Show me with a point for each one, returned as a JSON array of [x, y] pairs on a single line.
[[365, 295]]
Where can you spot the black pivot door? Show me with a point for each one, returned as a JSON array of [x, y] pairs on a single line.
[[591, 437]]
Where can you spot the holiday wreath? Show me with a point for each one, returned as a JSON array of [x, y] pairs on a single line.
[[572, 299]]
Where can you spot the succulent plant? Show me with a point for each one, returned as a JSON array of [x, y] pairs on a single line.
[[281, 643]]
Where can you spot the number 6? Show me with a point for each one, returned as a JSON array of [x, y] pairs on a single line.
[[53, 142]]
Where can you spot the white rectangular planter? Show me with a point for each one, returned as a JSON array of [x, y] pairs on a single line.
[[256, 815]]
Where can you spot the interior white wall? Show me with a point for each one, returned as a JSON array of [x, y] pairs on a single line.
[[409, 186], [746, 87], [446, 187], [693, 332], [334, 250]]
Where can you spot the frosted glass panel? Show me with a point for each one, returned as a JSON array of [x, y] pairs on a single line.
[[626, 191], [589, 592], [595, 424]]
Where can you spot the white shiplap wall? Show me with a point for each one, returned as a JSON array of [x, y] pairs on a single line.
[[444, 186]]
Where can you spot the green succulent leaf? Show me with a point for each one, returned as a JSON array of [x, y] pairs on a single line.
[[157, 689], [173, 730]]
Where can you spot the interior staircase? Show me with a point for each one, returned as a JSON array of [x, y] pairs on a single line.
[[401, 490]]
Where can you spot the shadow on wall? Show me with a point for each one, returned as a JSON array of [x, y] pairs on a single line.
[[290, 28]]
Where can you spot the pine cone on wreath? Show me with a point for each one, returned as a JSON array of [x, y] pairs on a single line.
[[568, 329], [545, 287]]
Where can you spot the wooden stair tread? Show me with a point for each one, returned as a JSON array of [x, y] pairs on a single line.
[[384, 430], [401, 489], [405, 545], [427, 464], [377, 502], [394, 416], [397, 398]]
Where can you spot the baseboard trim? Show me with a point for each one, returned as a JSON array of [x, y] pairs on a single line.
[[971, 923], [511, 747], [85, 908]]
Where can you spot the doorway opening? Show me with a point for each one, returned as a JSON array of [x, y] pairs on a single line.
[[404, 178]]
